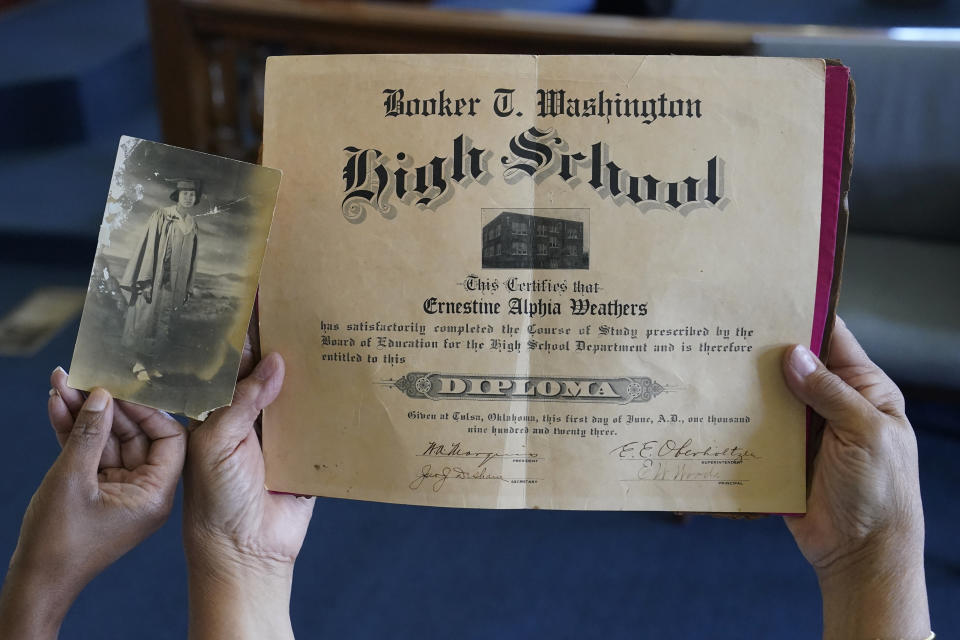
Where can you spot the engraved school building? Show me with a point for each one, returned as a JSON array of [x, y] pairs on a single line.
[[521, 241]]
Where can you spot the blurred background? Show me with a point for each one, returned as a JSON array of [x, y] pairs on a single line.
[[75, 75]]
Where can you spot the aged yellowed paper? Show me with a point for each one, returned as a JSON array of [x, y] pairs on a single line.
[[541, 282]]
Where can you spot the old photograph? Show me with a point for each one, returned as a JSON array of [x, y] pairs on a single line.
[[538, 238], [174, 277]]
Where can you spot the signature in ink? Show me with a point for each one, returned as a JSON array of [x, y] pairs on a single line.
[[672, 450], [677, 472], [456, 450], [436, 479]]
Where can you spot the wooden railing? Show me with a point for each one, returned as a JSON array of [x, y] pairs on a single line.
[[209, 54]]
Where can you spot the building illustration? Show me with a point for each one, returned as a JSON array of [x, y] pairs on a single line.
[[514, 240]]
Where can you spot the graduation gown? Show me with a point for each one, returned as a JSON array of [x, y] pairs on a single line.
[[159, 277]]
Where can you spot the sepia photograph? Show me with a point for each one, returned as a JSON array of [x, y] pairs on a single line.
[[541, 238], [174, 278]]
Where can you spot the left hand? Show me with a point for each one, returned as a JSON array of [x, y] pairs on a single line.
[[111, 487]]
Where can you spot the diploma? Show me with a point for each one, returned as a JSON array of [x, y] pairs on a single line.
[[543, 282]]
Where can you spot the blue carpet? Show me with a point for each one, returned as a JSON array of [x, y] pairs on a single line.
[[372, 570], [63, 190], [49, 39], [70, 70]]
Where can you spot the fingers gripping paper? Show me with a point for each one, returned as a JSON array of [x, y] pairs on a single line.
[[542, 282]]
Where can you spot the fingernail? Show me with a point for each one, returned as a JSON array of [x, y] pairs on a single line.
[[266, 367], [54, 392], [803, 361], [60, 369], [97, 401]]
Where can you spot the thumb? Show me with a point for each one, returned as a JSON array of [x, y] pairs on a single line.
[[90, 432], [825, 392], [232, 424]]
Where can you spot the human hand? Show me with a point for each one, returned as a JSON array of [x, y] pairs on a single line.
[[863, 530], [241, 541], [111, 487], [145, 289]]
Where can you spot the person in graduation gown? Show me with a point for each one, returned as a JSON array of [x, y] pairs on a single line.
[[159, 278]]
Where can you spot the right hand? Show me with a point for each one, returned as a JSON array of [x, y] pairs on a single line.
[[230, 518], [866, 488], [863, 530], [241, 541], [145, 289]]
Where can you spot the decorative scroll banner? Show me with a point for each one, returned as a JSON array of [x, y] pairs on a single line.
[[444, 386]]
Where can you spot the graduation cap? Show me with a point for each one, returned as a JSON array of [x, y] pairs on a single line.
[[185, 185]]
